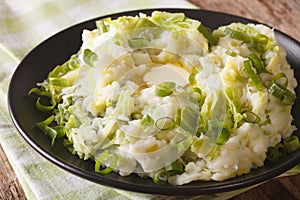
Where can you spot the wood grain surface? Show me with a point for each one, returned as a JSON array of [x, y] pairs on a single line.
[[283, 15], [10, 187]]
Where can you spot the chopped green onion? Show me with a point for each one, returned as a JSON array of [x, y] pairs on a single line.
[[256, 62], [250, 117], [279, 76], [147, 121], [207, 34], [196, 95], [39, 92], [283, 94], [44, 126], [47, 121], [59, 82], [249, 35], [178, 116], [262, 42], [291, 143], [161, 177], [197, 90], [50, 132], [137, 42], [102, 27], [174, 168], [237, 35], [89, 57], [103, 157], [273, 154], [60, 130], [192, 78], [281, 148], [230, 53], [59, 71], [222, 137], [73, 63], [189, 119], [165, 123], [165, 89], [42, 107], [252, 75]]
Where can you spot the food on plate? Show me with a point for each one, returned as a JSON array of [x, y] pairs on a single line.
[[164, 97]]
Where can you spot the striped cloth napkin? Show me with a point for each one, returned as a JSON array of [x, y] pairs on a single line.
[[23, 25]]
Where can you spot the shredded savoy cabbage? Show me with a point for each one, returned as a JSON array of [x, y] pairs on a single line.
[[167, 98]]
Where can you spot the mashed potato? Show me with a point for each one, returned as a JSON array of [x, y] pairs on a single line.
[[148, 93]]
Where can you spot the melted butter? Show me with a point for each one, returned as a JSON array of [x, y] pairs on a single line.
[[167, 73]]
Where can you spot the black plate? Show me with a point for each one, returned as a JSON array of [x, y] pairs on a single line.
[[57, 49]]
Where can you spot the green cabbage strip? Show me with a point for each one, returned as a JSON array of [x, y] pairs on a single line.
[[164, 20], [217, 132], [233, 100], [216, 135], [137, 42], [189, 119], [167, 20]]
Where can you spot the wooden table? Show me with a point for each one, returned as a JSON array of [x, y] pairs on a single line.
[[281, 14]]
